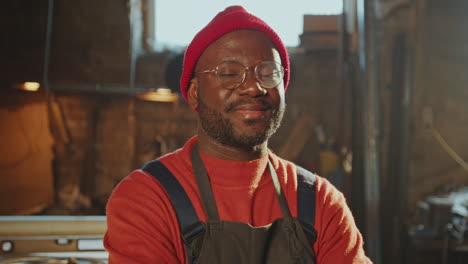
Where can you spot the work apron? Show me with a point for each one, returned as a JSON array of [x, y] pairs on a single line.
[[283, 241]]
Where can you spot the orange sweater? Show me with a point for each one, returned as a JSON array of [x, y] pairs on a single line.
[[143, 227]]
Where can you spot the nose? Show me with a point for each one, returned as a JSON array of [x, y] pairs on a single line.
[[251, 86]]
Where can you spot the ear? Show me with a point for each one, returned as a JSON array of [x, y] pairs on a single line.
[[192, 94]]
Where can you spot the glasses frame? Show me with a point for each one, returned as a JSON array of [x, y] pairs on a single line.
[[246, 69]]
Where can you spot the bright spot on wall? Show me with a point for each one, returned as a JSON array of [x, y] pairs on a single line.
[[177, 21]]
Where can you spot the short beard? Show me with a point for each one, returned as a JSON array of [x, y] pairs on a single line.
[[222, 130]]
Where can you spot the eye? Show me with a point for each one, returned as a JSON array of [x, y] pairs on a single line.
[[272, 75], [227, 71], [227, 75]]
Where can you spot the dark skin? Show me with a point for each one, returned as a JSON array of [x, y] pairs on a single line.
[[248, 118]]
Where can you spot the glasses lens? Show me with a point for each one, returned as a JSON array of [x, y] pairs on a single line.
[[269, 74], [230, 74]]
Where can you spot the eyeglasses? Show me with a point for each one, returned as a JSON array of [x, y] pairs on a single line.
[[231, 74]]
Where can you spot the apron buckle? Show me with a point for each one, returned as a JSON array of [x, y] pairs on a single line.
[[192, 231]]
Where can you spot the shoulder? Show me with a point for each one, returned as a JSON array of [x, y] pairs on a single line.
[[330, 202], [327, 196], [283, 167], [327, 189], [137, 188], [139, 211], [338, 240], [142, 187], [143, 191], [179, 161]]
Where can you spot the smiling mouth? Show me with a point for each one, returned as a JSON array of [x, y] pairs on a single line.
[[251, 107], [252, 111]]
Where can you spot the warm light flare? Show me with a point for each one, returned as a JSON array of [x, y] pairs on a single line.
[[160, 95], [29, 86]]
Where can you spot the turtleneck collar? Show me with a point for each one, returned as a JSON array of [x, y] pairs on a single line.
[[234, 174]]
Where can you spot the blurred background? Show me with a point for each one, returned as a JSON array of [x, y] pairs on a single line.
[[377, 104]]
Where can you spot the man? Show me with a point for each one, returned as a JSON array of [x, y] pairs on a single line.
[[225, 197]]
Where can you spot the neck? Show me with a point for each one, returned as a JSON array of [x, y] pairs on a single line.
[[213, 148]]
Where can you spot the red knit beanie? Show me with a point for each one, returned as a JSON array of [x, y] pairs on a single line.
[[232, 18]]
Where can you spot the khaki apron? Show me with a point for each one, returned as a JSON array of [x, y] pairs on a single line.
[[283, 241]]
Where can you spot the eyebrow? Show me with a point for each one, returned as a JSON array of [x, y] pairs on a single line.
[[230, 59]]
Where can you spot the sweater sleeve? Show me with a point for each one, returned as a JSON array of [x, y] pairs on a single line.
[[141, 225], [339, 240]]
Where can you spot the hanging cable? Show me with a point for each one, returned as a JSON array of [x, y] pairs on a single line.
[[452, 153], [45, 76]]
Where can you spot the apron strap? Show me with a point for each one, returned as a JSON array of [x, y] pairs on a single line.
[[204, 186], [206, 192], [190, 225], [279, 194], [306, 201]]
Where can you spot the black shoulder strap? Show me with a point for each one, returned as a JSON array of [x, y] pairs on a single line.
[[306, 201], [189, 223]]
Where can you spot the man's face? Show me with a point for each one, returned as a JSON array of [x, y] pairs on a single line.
[[250, 114]]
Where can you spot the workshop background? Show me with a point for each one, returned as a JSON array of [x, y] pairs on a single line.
[[378, 104]]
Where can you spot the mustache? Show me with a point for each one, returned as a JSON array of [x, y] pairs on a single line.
[[230, 107]]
